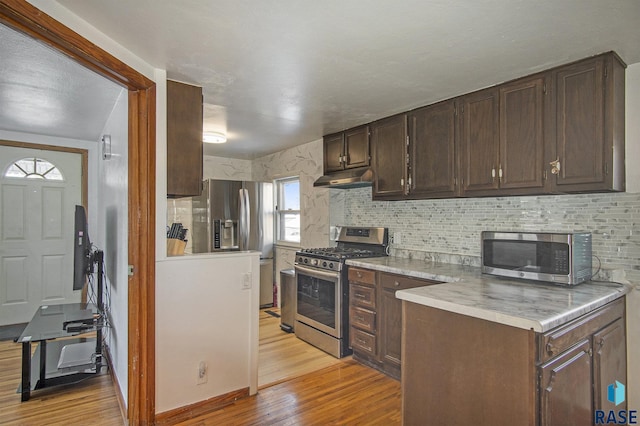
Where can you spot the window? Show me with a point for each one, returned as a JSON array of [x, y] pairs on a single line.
[[33, 168], [288, 208]]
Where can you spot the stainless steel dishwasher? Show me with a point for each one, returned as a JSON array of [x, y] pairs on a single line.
[[287, 299]]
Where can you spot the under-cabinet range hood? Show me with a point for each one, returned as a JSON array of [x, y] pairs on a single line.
[[353, 178]]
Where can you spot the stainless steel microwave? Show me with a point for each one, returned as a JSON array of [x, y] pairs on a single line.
[[563, 258]]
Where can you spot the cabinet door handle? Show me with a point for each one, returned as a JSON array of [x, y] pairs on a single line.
[[402, 182], [359, 295], [500, 173], [359, 274], [493, 174], [363, 343], [396, 283], [555, 166]]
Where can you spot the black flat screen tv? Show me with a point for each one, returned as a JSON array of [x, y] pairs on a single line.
[[82, 262]]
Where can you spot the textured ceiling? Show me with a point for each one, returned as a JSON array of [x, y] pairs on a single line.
[[44, 92], [281, 73]]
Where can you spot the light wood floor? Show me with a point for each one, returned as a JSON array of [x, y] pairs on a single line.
[[92, 402], [283, 356], [298, 384], [346, 393]]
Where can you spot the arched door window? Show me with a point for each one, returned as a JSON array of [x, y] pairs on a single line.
[[34, 168]]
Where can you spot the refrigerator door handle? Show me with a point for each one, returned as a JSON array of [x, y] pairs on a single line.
[[259, 208], [244, 219]]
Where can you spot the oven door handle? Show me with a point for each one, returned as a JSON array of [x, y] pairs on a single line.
[[332, 276]]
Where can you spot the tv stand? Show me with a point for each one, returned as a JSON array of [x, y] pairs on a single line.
[[63, 355]]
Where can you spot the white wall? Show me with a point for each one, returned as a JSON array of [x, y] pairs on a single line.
[[161, 165], [63, 15], [113, 235], [204, 314], [632, 153]]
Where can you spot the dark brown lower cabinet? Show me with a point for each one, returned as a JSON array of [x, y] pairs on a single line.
[[459, 370], [565, 388], [390, 314], [609, 364], [375, 318]]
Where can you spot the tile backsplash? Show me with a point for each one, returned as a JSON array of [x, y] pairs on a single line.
[[449, 230]]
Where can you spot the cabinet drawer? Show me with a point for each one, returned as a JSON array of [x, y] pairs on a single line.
[[363, 341], [364, 319], [362, 296], [556, 341], [362, 276], [400, 282]]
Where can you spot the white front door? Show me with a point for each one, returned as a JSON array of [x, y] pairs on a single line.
[[38, 193]]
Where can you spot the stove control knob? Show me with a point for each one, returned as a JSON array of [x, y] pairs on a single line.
[[331, 265], [315, 262], [306, 261], [324, 264]]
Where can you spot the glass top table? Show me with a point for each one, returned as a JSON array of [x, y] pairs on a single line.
[[49, 321], [62, 322]]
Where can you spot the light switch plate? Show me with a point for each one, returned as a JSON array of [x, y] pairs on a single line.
[[246, 280]]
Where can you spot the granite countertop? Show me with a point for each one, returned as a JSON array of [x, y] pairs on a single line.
[[519, 303]]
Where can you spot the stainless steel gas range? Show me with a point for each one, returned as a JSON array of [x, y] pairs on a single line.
[[322, 313]]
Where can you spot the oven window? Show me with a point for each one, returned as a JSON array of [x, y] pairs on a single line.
[[317, 299]]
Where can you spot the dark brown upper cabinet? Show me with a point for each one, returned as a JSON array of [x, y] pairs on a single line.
[[184, 140], [479, 140], [523, 121], [557, 131], [389, 157], [588, 154], [503, 139], [432, 151], [346, 150]]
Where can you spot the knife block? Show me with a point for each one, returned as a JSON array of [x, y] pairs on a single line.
[[175, 247]]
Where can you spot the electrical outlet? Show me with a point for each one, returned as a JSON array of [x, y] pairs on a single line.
[[397, 238], [246, 280], [202, 373]]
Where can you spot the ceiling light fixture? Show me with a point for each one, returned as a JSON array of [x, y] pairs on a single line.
[[214, 137]]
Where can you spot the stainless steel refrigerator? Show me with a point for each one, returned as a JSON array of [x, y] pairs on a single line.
[[237, 215]]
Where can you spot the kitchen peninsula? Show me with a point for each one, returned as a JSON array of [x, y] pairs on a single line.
[[209, 322], [479, 349]]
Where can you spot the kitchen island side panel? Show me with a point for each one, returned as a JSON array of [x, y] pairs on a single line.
[[207, 313], [491, 381]]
